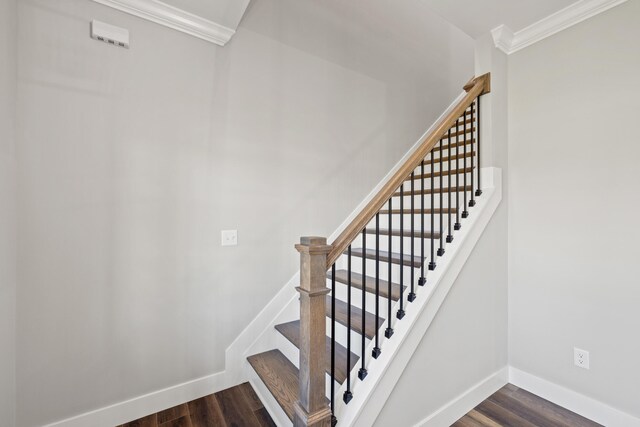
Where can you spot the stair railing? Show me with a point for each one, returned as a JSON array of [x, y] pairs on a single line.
[[318, 354]]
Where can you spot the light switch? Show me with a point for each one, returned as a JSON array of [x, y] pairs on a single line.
[[229, 237]]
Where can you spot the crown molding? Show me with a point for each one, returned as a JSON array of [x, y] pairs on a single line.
[[172, 17], [509, 42]]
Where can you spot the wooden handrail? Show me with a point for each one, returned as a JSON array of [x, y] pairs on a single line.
[[476, 87]]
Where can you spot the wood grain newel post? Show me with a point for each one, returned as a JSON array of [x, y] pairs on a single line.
[[312, 409]]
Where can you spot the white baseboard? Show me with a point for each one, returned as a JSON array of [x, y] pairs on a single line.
[[572, 400], [150, 403], [461, 405]]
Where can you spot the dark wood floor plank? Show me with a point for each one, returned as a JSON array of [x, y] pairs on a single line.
[[356, 318], [148, 421], [553, 414], [242, 407], [172, 413], [206, 412], [251, 397], [184, 421], [342, 276], [291, 331], [514, 407], [279, 375], [536, 417], [234, 407], [482, 420], [264, 418], [501, 415], [467, 421]]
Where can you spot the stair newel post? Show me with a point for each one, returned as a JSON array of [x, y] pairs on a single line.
[[312, 409]]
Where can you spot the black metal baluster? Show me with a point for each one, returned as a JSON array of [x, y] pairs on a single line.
[[333, 342], [457, 225], [472, 202], [362, 373], [432, 263], [479, 190], [376, 349], [441, 248], [347, 394], [412, 295], [423, 279], [389, 331], [465, 212], [449, 175], [400, 314]]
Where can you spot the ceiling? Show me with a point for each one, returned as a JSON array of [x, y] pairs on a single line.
[[478, 17], [474, 17], [224, 12]]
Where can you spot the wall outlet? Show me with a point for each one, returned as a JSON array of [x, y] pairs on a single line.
[[581, 358], [229, 237]]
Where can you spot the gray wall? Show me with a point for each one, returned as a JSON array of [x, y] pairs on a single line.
[[473, 317], [573, 231], [7, 210], [130, 162]]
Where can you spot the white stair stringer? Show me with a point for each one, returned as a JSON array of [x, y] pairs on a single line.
[[370, 395]]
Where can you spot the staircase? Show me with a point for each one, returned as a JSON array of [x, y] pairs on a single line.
[[356, 292]]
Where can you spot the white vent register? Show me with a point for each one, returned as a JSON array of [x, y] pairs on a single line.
[[110, 34]]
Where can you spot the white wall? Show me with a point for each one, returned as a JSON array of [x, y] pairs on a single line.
[[467, 341], [130, 162], [7, 210], [573, 233]]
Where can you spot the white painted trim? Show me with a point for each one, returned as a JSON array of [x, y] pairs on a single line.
[[572, 400], [461, 405], [150, 403], [370, 396], [172, 17], [503, 38], [510, 42]]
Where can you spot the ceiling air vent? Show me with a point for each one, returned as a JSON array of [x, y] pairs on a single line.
[[110, 34]]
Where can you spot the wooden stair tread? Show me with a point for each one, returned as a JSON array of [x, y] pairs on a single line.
[[458, 157], [417, 211], [384, 257], [280, 376], [356, 318], [426, 234], [417, 177], [453, 144], [370, 283], [455, 133], [291, 331], [435, 191]]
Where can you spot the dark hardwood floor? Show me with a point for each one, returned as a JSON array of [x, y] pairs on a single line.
[[237, 406], [514, 407]]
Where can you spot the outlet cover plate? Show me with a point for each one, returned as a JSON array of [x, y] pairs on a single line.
[[581, 358]]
